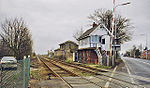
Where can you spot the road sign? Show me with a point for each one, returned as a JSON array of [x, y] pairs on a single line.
[[116, 47]]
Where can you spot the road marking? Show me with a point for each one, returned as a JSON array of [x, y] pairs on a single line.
[[143, 62], [130, 74], [107, 84], [132, 81]]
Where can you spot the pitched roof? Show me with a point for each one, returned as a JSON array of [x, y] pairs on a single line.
[[57, 49], [86, 34], [68, 42]]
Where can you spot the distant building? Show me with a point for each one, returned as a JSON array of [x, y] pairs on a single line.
[[66, 50], [143, 54], [94, 45]]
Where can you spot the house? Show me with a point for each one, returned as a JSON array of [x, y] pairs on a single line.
[[66, 50], [144, 53], [94, 45]]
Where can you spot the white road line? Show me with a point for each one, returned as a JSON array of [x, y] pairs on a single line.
[[132, 81], [142, 62], [129, 74], [107, 84]]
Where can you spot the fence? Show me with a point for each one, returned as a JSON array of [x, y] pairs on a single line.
[[15, 78]]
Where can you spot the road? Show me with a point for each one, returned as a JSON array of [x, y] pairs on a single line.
[[138, 67]]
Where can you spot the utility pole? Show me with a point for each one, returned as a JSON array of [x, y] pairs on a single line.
[[114, 29], [146, 47]]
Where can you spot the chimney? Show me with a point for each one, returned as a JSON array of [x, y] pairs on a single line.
[[94, 24]]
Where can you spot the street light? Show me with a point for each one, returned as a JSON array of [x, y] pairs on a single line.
[[123, 4], [145, 44], [113, 27]]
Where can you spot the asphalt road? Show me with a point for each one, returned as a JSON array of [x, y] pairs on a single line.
[[138, 67]]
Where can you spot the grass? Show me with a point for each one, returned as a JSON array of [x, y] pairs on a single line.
[[98, 66], [82, 73], [118, 61], [34, 74], [91, 65], [68, 61], [101, 66], [86, 74]]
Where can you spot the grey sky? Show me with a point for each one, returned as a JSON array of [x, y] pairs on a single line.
[[54, 21]]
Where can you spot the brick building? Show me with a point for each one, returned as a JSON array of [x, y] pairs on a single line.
[[66, 50], [87, 55], [143, 54]]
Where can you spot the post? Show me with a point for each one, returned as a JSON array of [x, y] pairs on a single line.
[[113, 28], [1, 75], [147, 47], [146, 53], [27, 70], [23, 71], [111, 39]]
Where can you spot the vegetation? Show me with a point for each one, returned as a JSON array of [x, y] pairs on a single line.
[[34, 74], [4, 50], [118, 61], [78, 33], [134, 52], [16, 37], [68, 61], [122, 24], [101, 66]]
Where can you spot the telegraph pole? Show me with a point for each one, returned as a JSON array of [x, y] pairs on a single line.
[[146, 48]]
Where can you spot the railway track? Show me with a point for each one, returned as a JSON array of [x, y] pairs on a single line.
[[55, 73], [69, 84], [116, 81]]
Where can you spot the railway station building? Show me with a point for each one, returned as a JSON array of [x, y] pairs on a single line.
[[94, 45], [66, 50]]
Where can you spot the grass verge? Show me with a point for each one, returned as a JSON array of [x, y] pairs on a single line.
[[34, 74]]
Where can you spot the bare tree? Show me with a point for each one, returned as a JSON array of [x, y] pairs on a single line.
[[140, 47], [17, 37], [122, 24], [4, 50], [78, 33]]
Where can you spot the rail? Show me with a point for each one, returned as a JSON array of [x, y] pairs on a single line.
[[68, 84], [57, 75], [97, 73]]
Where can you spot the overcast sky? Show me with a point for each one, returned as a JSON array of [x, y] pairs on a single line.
[[54, 21]]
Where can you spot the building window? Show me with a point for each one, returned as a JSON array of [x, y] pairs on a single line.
[[100, 38], [92, 37], [103, 41], [95, 38]]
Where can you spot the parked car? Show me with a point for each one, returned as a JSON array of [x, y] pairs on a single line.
[[9, 62]]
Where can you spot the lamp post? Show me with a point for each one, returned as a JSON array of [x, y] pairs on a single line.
[[146, 46], [114, 29]]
